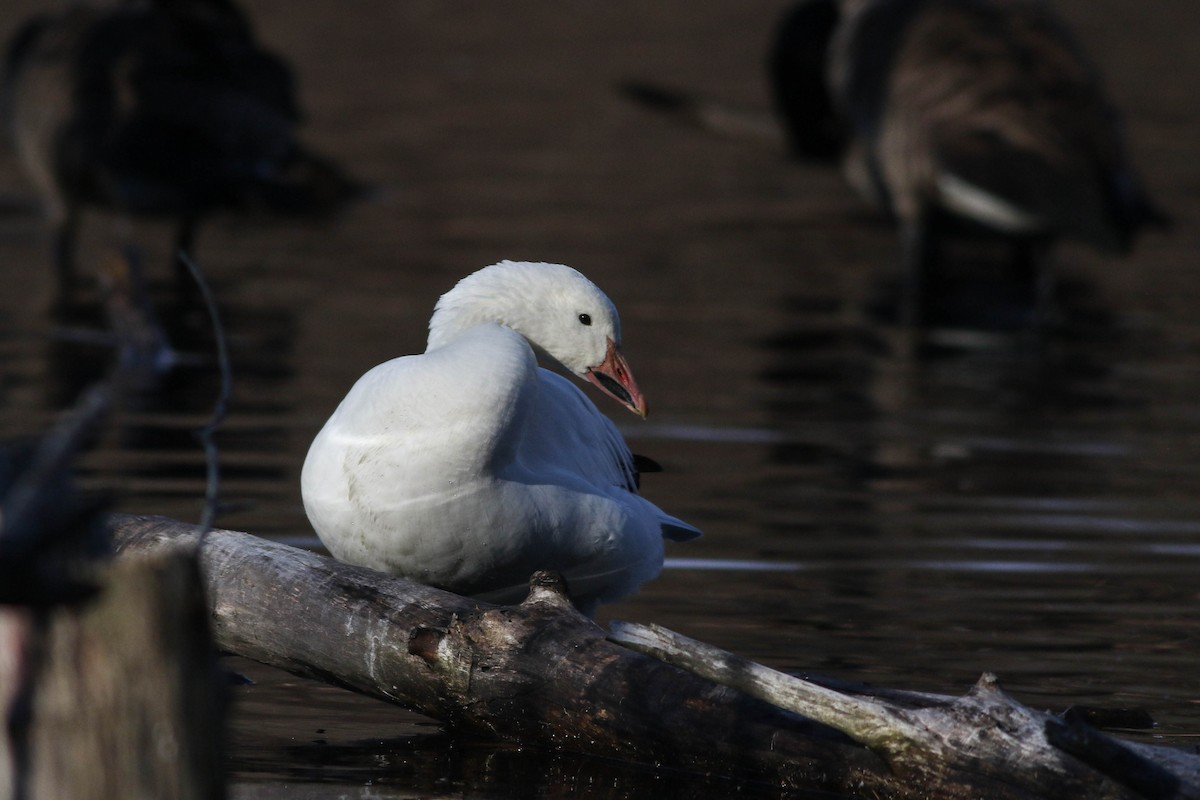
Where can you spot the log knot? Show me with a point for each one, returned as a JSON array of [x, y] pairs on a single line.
[[423, 642], [548, 587]]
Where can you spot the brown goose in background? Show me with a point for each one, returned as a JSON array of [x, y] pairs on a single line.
[[158, 108], [961, 117]]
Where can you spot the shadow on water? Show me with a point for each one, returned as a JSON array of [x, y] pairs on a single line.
[[437, 764], [300, 739]]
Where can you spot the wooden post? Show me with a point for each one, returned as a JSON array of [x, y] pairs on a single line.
[[113, 698]]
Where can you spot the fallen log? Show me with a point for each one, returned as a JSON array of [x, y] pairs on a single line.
[[1010, 741], [542, 674]]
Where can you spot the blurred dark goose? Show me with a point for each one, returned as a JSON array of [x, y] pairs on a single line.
[[158, 108], [469, 467], [961, 116]]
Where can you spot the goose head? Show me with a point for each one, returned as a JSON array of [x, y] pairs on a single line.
[[565, 317]]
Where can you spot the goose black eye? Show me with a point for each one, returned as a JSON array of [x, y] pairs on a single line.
[[586, 319]]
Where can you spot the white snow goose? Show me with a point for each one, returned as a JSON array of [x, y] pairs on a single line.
[[469, 467]]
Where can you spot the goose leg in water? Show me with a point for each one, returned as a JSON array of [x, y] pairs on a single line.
[[66, 236], [918, 252], [185, 242], [1032, 266]]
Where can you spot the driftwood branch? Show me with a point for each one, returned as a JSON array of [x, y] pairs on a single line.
[[539, 673], [985, 732], [542, 674]]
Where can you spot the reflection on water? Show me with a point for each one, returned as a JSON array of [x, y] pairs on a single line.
[[990, 501], [321, 742]]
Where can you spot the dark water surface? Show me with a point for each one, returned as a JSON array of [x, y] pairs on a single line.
[[998, 504]]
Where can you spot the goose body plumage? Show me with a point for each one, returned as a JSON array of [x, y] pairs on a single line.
[[981, 120], [986, 109], [167, 109], [469, 467]]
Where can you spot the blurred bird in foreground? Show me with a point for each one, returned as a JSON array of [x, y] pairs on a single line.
[[964, 119], [158, 109]]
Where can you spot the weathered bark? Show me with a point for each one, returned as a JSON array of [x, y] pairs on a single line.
[[543, 674], [538, 673], [114, 697], [986, 732]]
